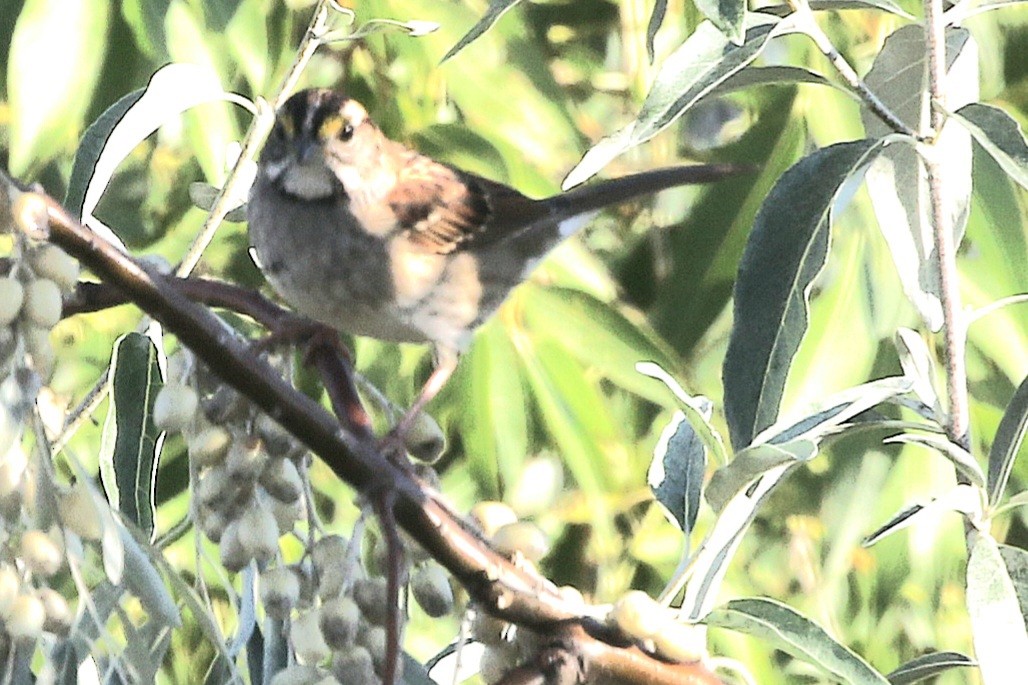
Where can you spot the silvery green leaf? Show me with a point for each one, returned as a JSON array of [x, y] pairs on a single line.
[[897, 181], [997, 624], [786, 629]]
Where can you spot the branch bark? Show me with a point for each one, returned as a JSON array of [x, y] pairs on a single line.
[[503, 589]]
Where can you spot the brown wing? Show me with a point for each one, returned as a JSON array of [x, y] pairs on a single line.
[[443, 209]]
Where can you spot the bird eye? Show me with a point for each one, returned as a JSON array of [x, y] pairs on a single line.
[[346, 133]]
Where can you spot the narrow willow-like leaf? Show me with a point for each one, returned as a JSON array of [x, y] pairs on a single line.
[[145, 581], [897, 181], [656, 19], [786, 629], [961, 459], [965, 499], [997, 626], [1000, 135], [918, 367], [727, 15], [48, 96], [960, 11], [785, 252], [928, 666], [130, 448], [706, 569], [676, 473], [829, 414], [695, 408], [172, 90], [691, 72], [751, 463], [1007, 442], [496, 9], [829, 5], [1016, 561], [766, 76]]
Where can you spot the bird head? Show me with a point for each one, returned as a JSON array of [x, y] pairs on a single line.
[[320, 139]]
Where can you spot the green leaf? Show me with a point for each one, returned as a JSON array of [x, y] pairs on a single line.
[[676, 473], [656, 19], [918, 367], [131, 442], [961, 459], [832, 5], [897, 181], [960, 11], [495, 424], [997, 625], [54, 61], [1007, 442], [965, 499], [786, 251], [172, 90], [695, 407], [928, 666], [778, 74], [788, 630], [727, 15], [496, 10], [696, 68], [1016, 561], [751, 463], [1000, 135], [616, 343], [146, 19]]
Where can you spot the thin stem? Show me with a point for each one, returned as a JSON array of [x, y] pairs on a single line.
[[954, 325], [227, 197], [806, 22]]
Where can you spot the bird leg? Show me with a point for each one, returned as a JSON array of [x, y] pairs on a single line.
[[445, 365]]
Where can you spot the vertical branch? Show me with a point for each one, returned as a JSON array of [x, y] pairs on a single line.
[[954, 326]]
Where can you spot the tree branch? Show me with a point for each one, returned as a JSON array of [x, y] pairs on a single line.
[[497, 585]]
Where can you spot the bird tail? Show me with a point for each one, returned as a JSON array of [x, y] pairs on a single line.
[[586, 200]]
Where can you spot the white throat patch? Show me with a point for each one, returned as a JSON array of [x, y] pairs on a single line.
[[310, 182]]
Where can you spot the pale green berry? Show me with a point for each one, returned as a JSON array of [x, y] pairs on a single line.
[[175, 407], [27, 617], [522, 537], [491, 516], [12, 296], [208, 446], [50, 261], [639, 615], [42, 305], [42, 555], [280, 591], [258, 533], [431, 588], [305, 636], [58, 613], [79, 513], [339, 620]]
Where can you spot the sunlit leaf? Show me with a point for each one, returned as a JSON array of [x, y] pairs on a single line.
[[49, 95], [656, 19], [997, 626], [699, 65], [831, 5], [752, 462], [786, 251], [727, 15], [146, 19], [697, 410], [964, 499], [1007, 442], [492, 15], [897, 180], [1000, 135], [928, 666], [960, 11], [676, 473], [918, 367], [788, 630], [131, 445], [961, 459]]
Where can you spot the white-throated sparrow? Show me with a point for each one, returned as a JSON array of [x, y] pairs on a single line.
[[361, 233]]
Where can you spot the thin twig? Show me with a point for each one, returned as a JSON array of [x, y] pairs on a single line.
[[806, 22], [954, 326]]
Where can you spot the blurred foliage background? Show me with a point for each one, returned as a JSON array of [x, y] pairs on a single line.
[[549, 388]]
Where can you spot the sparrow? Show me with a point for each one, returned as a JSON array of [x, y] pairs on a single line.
[[372, 238]]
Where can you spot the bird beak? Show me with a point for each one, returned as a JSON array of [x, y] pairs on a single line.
[[306, 149]]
